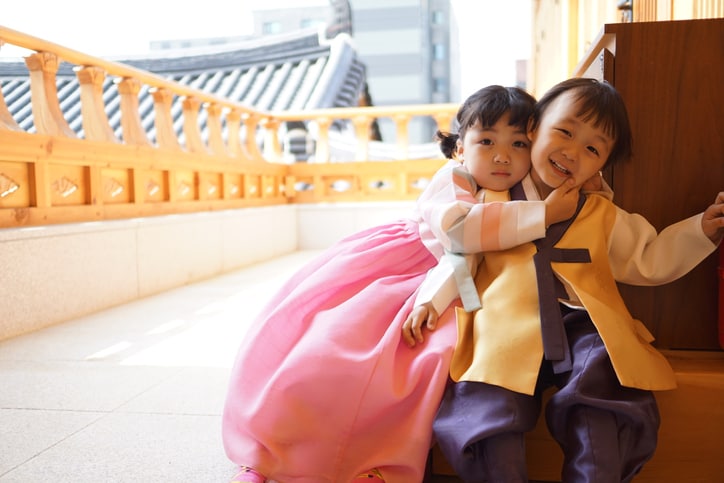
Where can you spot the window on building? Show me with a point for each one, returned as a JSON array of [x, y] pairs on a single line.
[[439, 85], [438, 17], [271, 28], [438, 51], [309, 22]]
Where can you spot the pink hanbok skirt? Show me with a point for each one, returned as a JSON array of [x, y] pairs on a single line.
[[324, 387]]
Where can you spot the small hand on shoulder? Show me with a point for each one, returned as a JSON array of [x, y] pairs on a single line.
[[421, 315]]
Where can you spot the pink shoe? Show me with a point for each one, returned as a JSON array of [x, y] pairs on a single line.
[[248, 475], [370, 476]]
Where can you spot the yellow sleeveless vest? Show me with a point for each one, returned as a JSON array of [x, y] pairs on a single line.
[[501, 343]]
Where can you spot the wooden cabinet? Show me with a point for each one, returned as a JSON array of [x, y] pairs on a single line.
[[671, 76]]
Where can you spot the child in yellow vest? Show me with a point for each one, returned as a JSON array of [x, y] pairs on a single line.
[[552, 315]]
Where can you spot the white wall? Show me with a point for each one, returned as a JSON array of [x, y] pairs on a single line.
[[320, 225], [54, 273]]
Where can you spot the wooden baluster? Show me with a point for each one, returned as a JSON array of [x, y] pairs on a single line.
[[251, 121], [237, 145], [47, 116], [233, 128], [192, 131], [95, 119], [272, 146], [322, 152], [402, 123], [362, 131], [216, 137], [165, 134], [131, 126], [7, 121], [443, 120]]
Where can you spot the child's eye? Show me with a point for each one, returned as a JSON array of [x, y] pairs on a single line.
[[565, 132], [486, 141], [593, 150], [520, 144]]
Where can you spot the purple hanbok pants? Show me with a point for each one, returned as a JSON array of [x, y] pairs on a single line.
[[606, 431]]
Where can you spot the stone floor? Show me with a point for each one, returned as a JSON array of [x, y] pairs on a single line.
[[133, 393]]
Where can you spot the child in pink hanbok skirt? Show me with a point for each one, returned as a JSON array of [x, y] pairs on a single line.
[[324, 388]]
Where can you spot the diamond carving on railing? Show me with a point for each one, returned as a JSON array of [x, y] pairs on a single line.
[[233, 189], [420, 183], [303, 186], [341, 185], [65, 186], [7, 185], [152, 187], [380, 184], [114, 187], [211, 190], [183, 188]]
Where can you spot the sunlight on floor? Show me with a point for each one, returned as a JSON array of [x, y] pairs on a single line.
[[206, 334]]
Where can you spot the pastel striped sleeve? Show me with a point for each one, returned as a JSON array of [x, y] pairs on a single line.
[[497, 226], [463, 224], [449, 198]]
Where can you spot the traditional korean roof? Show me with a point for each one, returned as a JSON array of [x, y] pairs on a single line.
[[300, 70]]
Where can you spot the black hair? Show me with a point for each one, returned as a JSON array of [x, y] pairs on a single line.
[[487, 106], [598, 101]]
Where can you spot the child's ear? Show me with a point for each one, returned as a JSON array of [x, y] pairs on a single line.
[[459, 148], [530, 131]]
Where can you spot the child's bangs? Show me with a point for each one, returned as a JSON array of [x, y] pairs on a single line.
[[600, 111], [519, 110]]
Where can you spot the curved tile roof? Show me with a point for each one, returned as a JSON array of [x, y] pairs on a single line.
[[301, 70]]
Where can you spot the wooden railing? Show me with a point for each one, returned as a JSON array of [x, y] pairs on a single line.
[[52, 175], [655, 10]]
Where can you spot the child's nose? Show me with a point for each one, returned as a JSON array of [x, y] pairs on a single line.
[[501, 158], [571, 152]]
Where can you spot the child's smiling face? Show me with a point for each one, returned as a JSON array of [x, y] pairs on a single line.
[[566, 146]]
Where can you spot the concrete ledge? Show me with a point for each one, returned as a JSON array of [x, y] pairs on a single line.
[[54, 273], [321, 224]]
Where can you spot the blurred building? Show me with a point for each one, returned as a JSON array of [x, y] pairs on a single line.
[[404, 44]]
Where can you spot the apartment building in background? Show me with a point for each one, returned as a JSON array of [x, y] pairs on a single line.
[[404, 44]]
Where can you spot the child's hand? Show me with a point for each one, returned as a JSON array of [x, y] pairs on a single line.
[[421, 315], [593, 184], [713, 220], [562, 202]]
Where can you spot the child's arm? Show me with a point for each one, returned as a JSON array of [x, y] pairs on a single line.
[[436, 293], [640, 256], [463, 225]]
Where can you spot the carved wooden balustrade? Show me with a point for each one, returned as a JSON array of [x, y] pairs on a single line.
[[53, 175]]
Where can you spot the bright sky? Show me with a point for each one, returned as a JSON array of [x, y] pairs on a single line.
[[493, 33]]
